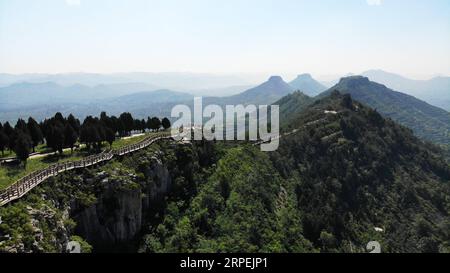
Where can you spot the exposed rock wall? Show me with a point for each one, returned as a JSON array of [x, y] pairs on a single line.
[[117, 216]]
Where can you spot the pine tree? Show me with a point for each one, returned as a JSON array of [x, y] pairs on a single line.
[[22, 147], [11, 133], [22, 125], [166, 123], [110, 136], [57, 137], [74, 122], [70, 136], [35, 132], [4, 141], [127, 121]]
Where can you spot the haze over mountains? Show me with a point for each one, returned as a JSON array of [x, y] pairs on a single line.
[[21, 100], [427, 121], [307, 85], [340, 162], [266, 93], [435, 91], [142, 98], [27, 94], [346, 173]]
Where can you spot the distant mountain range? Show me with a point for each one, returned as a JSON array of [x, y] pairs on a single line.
[[427, 121], [31, 94], [435, 91], [169, 80], [41, 100], [266, 93], [307, 85]]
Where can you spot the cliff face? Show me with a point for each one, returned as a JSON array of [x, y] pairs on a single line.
[[106, 207], [117, 216]]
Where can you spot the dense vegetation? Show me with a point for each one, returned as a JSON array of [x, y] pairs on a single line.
[[344, 177], [48, 216], [59, 132], [291, 105], [347, 177], [358, 171], [427, 122]]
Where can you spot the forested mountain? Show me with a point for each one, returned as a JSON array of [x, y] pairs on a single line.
[[263, 94], [342, 176], [307, 85], [346, 177], [42, 100], [355, 171], [291, 105], [435, 91], [428, 122]]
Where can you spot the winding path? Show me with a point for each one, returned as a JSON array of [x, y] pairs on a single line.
[[29, 182]]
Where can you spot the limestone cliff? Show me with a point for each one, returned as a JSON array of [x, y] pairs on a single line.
[[106, 206]]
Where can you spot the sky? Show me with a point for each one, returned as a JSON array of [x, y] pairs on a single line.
[[326, 37]]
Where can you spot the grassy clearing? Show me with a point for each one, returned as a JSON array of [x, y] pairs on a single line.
[[10, 174], [124, 142]]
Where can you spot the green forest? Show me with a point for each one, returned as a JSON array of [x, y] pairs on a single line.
[[346, 177], [335, 185]]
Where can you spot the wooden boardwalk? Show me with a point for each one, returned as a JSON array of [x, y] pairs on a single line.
[[27, 183]]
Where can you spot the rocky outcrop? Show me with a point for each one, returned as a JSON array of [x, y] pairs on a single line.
[[116, 217], [159, 174], [104, 208]]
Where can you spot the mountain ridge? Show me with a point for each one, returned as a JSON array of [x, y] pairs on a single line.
[[435, 91], [308, 85], [428, 122]]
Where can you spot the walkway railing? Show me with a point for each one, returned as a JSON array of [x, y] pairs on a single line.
[[27, 183]]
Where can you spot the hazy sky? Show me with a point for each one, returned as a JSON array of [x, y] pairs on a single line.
[[410, 37]]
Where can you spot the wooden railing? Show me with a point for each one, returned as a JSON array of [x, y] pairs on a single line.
[[27, 183]]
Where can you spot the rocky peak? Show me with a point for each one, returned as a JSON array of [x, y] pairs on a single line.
[[275, 79], [305, 76]]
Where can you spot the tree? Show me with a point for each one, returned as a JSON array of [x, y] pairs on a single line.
[[110, 136], [9, 131], [59, 118], [56, 138], [118, 126], [328, 241], [143, 125], [22, 147], [166, 123], [127, 121], [22, 125], [74, 122], [35, 132], [148, 124], [114, 124], [90, 135], [154, 123], [70, 136], [85, 135], [347, 101], [4, 141]]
